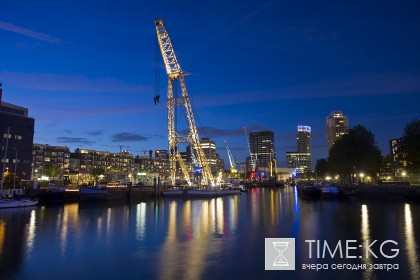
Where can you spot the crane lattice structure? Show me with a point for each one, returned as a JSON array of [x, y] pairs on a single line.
[[174, 71], [232, 160], [252, 156]]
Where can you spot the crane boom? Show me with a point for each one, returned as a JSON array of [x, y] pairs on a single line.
[[232, 159], [252, 156], [174, 71]]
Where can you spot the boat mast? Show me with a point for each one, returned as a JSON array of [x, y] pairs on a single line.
[[14, 177], [4, 158]]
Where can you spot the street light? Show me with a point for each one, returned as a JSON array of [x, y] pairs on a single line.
[[403, 174], [361, 176]]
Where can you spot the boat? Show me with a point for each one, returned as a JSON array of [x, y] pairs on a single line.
[[11, 198], [349, 192], [329, 192], [242, 188], [112, 191], [233, 184], [92, 193], [12, 202], [309, 192], [61, 193], [200, 192]]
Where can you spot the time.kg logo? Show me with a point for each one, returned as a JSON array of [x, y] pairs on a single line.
[[279, 254]]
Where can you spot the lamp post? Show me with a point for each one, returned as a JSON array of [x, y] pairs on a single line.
[[361, 176], [403, 175]]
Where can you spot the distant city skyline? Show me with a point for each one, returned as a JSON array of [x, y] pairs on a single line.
[[86, 70]]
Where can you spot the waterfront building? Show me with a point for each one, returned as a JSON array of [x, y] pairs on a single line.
[[74, 165], [213, 159], [19, 152], [397, 151], [304, 147], [299, 161], [398, 156], [44, 155], [163, 154], [209, 148], [152, 165], [337, 125], [262, 146], [284, 174], [117, 166]]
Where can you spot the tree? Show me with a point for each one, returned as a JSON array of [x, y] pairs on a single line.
[[10, 180], [411, 146], [96, 172], [321, 167], [51, 170], [354, 153]]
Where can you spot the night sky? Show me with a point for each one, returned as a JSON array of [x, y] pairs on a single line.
[[86, 69]]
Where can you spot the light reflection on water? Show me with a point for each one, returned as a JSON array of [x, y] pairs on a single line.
[[411, 246], [31, 233], [194, 238], [366, 258]]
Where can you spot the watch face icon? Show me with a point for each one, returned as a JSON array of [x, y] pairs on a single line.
[[280, 247], [279, 254]]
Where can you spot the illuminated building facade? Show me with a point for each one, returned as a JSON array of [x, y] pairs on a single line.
[[304, 147], [262, 145], [398, 156], [43, 154], [19, 148], [155, 165], [337, 126], [209, 148], [163, 154], [301, 160], [118, 162]]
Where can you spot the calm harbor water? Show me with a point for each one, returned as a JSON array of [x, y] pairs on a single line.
[[219, 238]]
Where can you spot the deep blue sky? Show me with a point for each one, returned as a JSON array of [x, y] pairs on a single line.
[[86, 69]]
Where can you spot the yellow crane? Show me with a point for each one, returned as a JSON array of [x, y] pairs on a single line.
[[175, 73]]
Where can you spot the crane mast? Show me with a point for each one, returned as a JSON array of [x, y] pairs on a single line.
[[174, 71]]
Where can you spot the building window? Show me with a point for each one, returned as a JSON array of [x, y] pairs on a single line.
[[18, 137]]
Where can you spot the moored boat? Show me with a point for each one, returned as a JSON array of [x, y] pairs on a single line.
[[349, 192], [329, 192], [12, 202], [200, 192], [91, 192], [309, 192], [103, 192]]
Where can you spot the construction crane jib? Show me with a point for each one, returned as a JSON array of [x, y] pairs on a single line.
[[252, 156], [174, 71], [232, 160]]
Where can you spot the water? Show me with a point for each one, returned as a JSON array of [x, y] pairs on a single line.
[[220, 238]]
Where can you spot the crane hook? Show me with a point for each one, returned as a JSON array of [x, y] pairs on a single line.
[[156, 99]]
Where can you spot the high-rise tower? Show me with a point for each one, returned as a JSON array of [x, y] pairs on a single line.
[[337, 126], [304, 139], [304, 146], [301, 160], [262, 146]]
